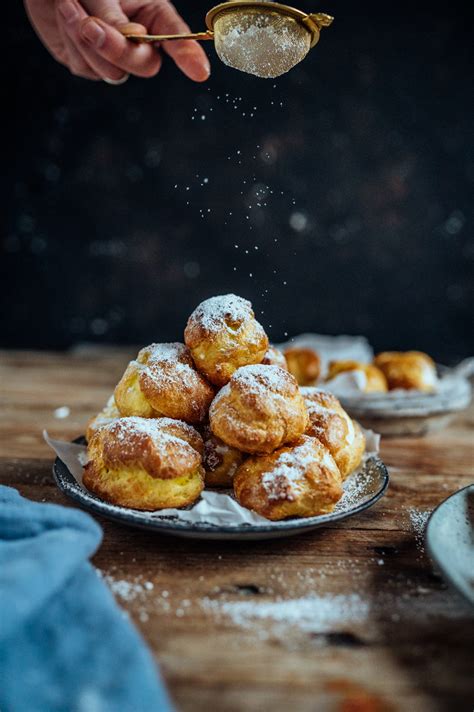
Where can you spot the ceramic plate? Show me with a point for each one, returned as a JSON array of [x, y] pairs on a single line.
[[362, 490], [411, 412], [449, 538]]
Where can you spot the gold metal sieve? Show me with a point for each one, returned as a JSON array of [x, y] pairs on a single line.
[[262, 38]]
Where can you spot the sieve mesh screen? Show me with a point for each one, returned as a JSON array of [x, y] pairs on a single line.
[[259, 41]]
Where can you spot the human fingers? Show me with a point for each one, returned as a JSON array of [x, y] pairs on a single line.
[[103, 33], [71, 16], [161, 18]]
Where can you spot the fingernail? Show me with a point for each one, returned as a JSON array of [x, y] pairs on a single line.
[[93, 33], [202, 68], [207, 66], [68, 10], [199, 66], [132, 28]]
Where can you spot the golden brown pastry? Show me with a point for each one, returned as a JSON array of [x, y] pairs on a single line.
[[108, 413], [408, 370], [162, 381], [182, 430], [260, 409], [304, 364], [137, 462], [220, 460], [301, 480], [223, 335], [330, 423], [375, 379], [274, 357]]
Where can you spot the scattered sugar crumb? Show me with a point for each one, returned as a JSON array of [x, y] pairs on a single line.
[[418, 519], [309, 613], [63, 412], [126, 590]]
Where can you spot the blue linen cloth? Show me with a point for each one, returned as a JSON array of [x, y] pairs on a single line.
[[65, 645]]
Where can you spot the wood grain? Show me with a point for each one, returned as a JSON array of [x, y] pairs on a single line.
[[412, 649]]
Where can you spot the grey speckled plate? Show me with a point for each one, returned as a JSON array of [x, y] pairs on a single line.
[[411, 412], [367, 487], [449, 538]]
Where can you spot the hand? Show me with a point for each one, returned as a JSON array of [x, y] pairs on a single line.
[[84, 37]]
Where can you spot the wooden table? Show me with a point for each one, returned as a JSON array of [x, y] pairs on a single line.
[[371, 626]]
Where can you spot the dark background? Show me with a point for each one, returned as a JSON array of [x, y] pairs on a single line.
[[342, 203]]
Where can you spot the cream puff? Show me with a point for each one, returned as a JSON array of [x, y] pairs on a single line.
[[162, 381], [108, 413], [329, 422], [259, 410], [139, 463], [304, 364], [274, 357], [300, 480], [223, 334], [410, 370], [220, 460]]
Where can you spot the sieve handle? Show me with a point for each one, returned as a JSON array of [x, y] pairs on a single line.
[[208, 35], [321, 19]]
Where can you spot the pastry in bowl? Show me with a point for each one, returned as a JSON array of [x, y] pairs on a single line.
[[300, 480], [260, 409], [375, 381], [162, 381], [141, 463], [220, 460], [274, 357], [223, 334], [329, 422], [411, 370], [108, 413], [304, 364]]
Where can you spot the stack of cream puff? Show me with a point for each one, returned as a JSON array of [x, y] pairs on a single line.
[[222, 409]]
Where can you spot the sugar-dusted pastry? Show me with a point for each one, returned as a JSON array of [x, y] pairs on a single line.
[[138, 463], [274, 357], [330, 423], [260, 409], [223, 335], [375, 380], [408, 370], [108, 413], [183, 431], [162, 381], [300, 480], [220, 460], [304, 364]]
